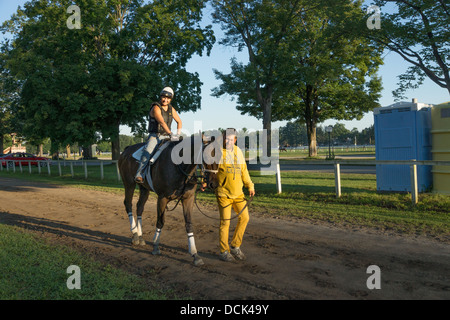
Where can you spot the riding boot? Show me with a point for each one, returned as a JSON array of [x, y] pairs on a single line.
[[142, 165]]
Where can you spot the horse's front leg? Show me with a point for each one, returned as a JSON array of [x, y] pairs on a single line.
[[161, 208], [188, 204], [137, 235]]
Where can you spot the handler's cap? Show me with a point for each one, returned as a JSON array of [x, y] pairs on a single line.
[[167, 92]]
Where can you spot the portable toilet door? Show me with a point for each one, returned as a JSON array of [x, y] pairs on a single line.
[[402, 132], [440, 133]]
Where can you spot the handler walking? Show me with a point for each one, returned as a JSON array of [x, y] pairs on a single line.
[[232, 177]]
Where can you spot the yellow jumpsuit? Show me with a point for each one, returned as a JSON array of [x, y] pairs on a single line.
[[232, 177]]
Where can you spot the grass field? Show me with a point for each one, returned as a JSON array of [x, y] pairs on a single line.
[[32, 269]]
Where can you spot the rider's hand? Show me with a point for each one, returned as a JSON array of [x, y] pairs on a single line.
[[203, 187], [174, 137]]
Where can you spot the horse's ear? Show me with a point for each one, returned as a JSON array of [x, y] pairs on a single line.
[[207, 139]]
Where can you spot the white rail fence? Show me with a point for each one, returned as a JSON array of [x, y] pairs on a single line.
[[335, 163], [47, 164], [337, 170]]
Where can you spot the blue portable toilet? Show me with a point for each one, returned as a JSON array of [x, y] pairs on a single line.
[[403, 132]]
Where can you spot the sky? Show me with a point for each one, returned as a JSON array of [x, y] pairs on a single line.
[[222, 113]]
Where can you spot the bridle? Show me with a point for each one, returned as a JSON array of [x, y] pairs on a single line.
[[193, 178], [203, 177], [199, 179]]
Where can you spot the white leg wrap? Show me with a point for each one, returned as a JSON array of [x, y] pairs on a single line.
[[132, 222], [139, 226], [156, 237], [191, 244]]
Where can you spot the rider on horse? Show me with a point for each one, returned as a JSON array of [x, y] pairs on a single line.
[[161, 115]]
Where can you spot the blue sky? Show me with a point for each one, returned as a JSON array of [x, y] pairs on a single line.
[[221, 112]]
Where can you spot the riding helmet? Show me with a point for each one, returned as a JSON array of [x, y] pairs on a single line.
[[167, 92]]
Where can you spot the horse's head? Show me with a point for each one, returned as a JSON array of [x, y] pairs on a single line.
[[212, 154]]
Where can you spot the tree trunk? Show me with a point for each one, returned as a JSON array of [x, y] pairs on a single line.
[[1, 143], [312, 141], [87, 152], [54, 151], [266, 105], [115, 148], [267, 124], [115, 144], [310, 119]]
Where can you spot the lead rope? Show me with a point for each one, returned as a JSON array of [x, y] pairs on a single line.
[[246, 205]]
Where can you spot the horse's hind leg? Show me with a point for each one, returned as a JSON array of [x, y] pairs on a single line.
[[143, 196]]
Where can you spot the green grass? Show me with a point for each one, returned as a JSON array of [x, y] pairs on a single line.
[[32, 269]]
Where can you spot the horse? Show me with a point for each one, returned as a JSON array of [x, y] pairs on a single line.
[[171, 181]]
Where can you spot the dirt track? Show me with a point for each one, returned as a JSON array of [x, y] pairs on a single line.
[[287, 258]]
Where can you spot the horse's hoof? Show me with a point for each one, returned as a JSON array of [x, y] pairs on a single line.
[[135, 239], [198, 261], [141, 241], [156, 251]]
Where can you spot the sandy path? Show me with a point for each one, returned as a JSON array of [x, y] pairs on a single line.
[[287, 258]]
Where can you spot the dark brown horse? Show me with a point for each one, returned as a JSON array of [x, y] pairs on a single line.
[[174, 178]]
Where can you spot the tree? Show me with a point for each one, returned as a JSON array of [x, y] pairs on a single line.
[[333, 69], [332, 72], [8, 97], [260, 27], [418, 30], [76, 83], [307, 61], [293, 134]]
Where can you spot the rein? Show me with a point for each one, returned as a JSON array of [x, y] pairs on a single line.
[[246, 205], [198, 179]]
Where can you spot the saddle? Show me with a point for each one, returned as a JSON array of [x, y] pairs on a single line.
[[147, 172]]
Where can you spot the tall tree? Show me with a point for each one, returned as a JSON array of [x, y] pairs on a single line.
[[308, 61], [261, 28], [77, 82], [293, 134], [417, 30], [333, 72]]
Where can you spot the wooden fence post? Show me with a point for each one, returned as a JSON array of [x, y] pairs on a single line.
[[101, 169], [71, 168]]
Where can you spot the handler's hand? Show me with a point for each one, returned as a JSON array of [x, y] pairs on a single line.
[[203, 187], [252, 193]]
